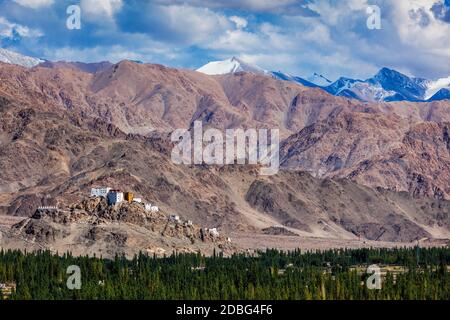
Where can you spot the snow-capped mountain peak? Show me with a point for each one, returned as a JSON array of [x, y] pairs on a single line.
[[234, 65], [12, 57], [436, 86], [391, 85], [231, 65], [386, 85]]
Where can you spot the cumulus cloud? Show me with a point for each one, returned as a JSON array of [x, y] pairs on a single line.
[[180, 24], [9, 29], [421, 16], [296, 36], [290, 7], [35, 4], [101, 8], [239, 21], [441, 10], [94, 54]]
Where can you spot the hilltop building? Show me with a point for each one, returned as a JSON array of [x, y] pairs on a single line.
[[48, 208], [128, 196], [100, 192], [149, 207], [115, 197]]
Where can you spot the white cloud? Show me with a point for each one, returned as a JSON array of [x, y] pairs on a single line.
[[262, 5], [239, 21], [335, 42], [144, 50], [269, 6], [435, 35], [194, 25], [35, 4], [236, 41], [113, 54], [101, 8], [7, 29]]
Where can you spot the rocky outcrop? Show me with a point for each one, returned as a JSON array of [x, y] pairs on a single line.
[[340, 208], [92, 223], [375, 150]]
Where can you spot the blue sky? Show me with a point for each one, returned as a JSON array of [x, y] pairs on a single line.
[[296, 36]]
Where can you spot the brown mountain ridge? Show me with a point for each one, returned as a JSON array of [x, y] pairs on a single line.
[[348, 168]]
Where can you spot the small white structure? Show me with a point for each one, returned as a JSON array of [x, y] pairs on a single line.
[[189, 223], [48, 208], [152, 209], [213, 232], [100, 192], [174, 218], [115, 197], [138, 200]]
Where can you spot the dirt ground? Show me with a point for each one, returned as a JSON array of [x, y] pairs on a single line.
[[8, 221], [250, 242]]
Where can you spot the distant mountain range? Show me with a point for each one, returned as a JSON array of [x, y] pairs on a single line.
[[348, 169], [11, 57], [86, 67], [387, 85], [391, 85], [234, 65]]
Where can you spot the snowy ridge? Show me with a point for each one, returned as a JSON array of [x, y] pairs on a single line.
[[386, 85], [11, 57], [234, 65], [391, 85], [231, 65]]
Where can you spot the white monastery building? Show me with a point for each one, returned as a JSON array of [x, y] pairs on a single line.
[[114, 197], [100, 192]]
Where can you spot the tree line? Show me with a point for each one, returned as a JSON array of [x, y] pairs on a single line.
[[271, 274]]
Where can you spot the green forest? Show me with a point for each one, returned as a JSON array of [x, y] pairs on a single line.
[[414, 273]]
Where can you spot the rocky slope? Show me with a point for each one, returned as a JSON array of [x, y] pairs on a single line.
[[140, 99], [382, 150], [92, 227], [64, 130]]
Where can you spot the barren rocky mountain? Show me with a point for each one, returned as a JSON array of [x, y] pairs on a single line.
[[375, 150], [81, 66], [349, 169], [92, 227]]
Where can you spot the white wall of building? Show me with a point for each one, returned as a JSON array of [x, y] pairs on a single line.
[[100, 192]]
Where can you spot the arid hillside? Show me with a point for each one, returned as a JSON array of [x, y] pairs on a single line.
[[349, 169]]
